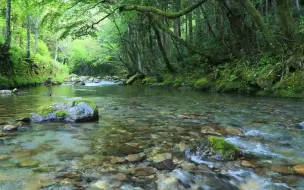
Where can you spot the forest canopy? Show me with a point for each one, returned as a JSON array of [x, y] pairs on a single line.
[[233, 44]]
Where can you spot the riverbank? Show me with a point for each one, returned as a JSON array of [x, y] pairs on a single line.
[[261, 81]]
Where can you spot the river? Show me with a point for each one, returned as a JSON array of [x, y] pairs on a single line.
[[148, 122]]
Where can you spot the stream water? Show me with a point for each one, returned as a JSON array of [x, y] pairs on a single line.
[[155, 123]]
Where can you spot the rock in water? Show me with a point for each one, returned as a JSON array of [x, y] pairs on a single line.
[[301, 125], [9, 128], [76, 111], [5, 92], [15, 90], [299, 169]]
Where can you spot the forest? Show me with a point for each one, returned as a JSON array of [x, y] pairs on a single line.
[[224, 45]]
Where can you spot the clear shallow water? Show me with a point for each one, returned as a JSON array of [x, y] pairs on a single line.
[[146, 120]]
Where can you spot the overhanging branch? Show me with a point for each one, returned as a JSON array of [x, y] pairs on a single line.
[[172, 15]]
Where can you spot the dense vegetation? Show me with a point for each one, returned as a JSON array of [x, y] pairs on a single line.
[[223, 45]]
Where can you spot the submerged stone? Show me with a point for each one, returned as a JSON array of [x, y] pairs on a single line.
[[4, 157], [76, 111], [29, 163]]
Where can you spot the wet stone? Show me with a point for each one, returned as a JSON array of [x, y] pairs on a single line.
[[281, 169], [135, 157], [164, 165], [247, 164], [143, 171], [299, 169]]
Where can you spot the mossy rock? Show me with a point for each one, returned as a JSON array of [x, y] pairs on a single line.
[[90, 103], [61, 113], [226, 149], [44, 111], [202, 83]]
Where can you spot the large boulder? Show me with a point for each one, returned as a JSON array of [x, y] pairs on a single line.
[[76, 111]]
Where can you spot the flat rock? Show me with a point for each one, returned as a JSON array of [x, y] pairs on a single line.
[[102, 184], [135, 157], [143, 171], [161, 157]]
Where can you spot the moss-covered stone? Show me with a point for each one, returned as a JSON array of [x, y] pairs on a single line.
[[61, 113], [44, 111], [220, 146], [90, 103], [202, 83]]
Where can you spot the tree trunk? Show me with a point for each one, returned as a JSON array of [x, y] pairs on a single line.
[[28, 34], [198, 24], [258, 19], [57, 48], [285, 17], [177, 22], [8, 36], [36, 36], [162, 50], [190, 25]]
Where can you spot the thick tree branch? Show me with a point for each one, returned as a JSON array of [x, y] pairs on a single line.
[[172, 15]]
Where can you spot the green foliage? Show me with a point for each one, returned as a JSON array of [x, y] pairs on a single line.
[[220, 146], [148, 80], [292, 85], [266, 60]]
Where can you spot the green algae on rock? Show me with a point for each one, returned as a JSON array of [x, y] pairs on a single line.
[[220, 146]]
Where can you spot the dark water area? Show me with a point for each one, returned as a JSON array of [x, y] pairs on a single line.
[[139, 126]]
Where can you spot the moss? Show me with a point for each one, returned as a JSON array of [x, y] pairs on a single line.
[[202, 83], [148, 80], [44, 111], [90, 103], [220, 146], [61, 113], [292, 85]]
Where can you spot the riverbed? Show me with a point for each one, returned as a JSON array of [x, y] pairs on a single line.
[[139, 125]]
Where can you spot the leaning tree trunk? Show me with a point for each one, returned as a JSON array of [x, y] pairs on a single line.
[[258, 19]]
